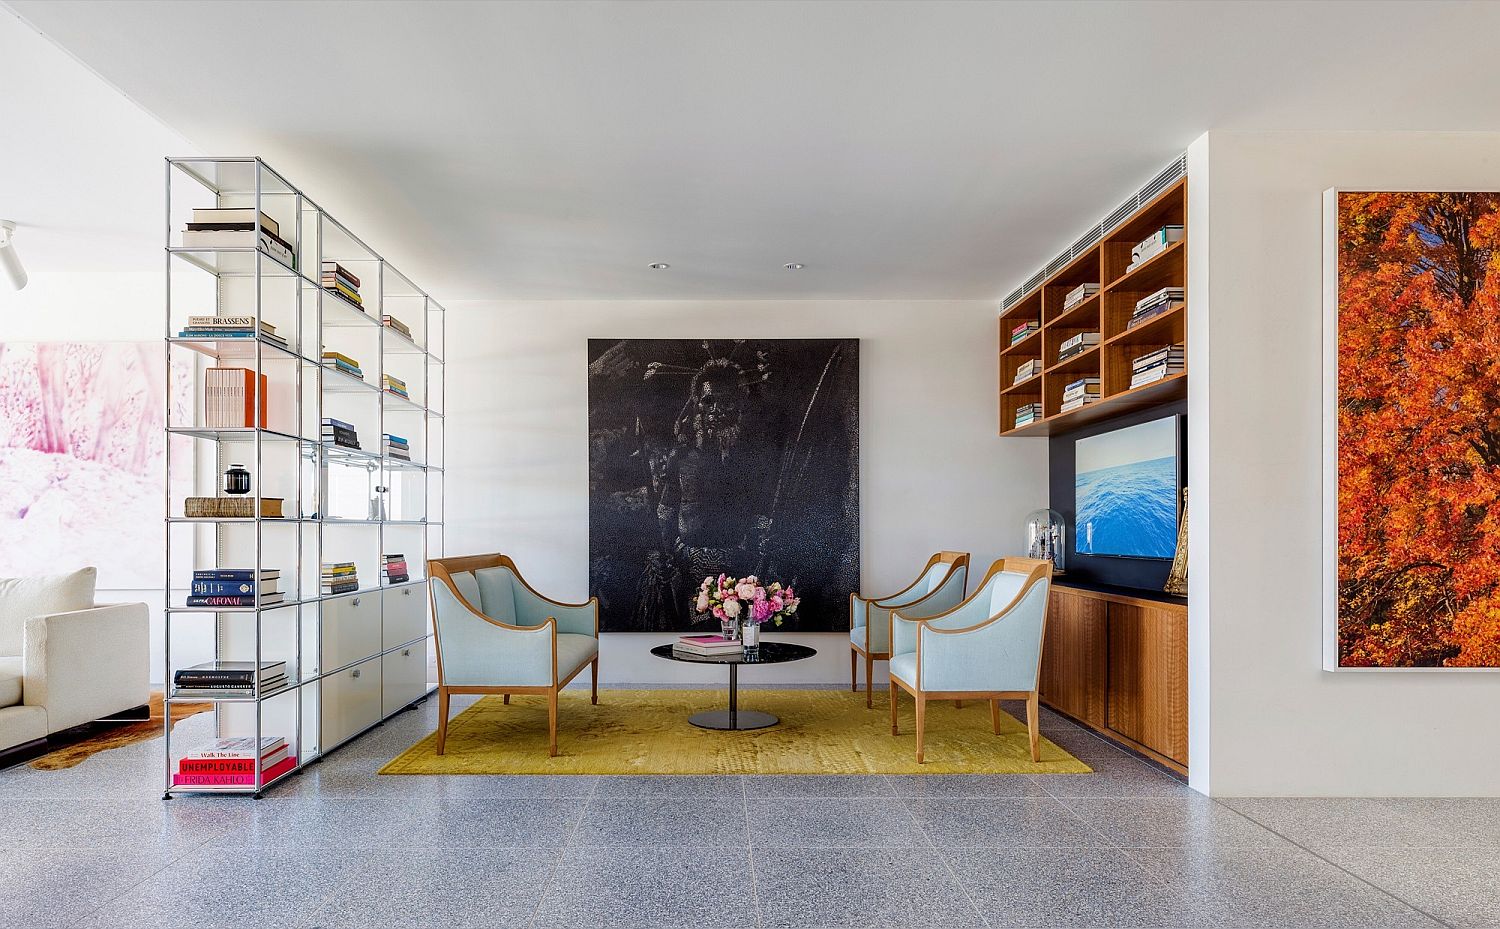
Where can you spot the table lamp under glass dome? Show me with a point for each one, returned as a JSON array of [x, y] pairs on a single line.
[[1047, 537]]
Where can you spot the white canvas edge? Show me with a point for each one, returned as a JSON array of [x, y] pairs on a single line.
[[1330, 446]]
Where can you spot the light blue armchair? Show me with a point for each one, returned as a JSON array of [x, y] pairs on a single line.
[[989, 647], [938, 588], [496, 635]]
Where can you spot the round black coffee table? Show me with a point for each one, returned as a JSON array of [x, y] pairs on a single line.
[[734, 717]]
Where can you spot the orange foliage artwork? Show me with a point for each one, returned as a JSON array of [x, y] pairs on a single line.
[[1418, 419]]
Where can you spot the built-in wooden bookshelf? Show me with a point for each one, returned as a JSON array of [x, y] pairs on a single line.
[[1108, 313]]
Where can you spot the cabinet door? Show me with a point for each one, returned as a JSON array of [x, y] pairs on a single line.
[[1074, 656], [403, 676], [403, 615], [1148, 677], [350, 702], [351, 630]]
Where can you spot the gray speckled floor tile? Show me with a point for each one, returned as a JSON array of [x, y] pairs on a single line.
[[647, 888], [147, 824], [1002, 823], [57, 887], [310, 822], [1467, 821], [467, 888], [1169, 822], [816, 785], [619, 822], [829, 822], [669, 785], [464, 823], [1280, 886], [1337, 823], [965, 785], [830, 887], [1066, 887], [1460, 886]]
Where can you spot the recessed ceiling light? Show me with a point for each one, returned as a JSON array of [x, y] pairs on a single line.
[[659, 266], [794, 266]]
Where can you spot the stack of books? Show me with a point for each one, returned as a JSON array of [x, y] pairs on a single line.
[[229, 679], [708, 646], [391, 322], [393, 569], [230, 398], [394, 385], [241, 507], [238, 228], [234, 587], [229, 327], [339, 577], [341, 362], [1077, 345], [1021, 332], [1027, 370], [1080, 392], [1153, 245], [1028, 413], [1079, 294], [1163, 301], [393, 446], [1162, 363], [231, 764], [336, 280], [340, 433]]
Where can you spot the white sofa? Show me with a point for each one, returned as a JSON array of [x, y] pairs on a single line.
[[65, 661]]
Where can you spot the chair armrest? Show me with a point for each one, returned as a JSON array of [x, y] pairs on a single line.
[[903, 633], [999, 653], [576, 619], [87, 664]]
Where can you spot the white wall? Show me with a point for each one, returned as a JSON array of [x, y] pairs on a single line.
[[1279, 724], [934, 474]]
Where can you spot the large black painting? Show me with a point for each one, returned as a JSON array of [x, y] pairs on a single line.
[[736, 457]]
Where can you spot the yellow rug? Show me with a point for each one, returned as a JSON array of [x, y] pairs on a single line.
[[647, 732]]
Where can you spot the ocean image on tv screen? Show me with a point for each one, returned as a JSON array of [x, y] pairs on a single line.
[[1125, 488]]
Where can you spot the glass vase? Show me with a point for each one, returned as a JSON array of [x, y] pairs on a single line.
[[729, 629]]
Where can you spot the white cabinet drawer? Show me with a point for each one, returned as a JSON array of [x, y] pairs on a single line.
[[403, 614], [403, 676], [351, 630], [350, 702]]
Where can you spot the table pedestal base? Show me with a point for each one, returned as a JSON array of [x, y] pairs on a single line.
[[733, 719]]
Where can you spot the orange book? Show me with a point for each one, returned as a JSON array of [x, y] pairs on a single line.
[[230, 398]]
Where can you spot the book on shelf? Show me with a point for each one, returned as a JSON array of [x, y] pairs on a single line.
[[242, 747], [247, 236], [343, 290], [1165, 353], [1077, 345], [230, 398], [1079, 294], [1023, 331], [391, 322], [1083, 387], [391, 380], [1157, 365], [393, 569], [210, 334], [334, 588], [342, 438], [1163, 301], [243, 673], [228, 322], [1165, 294], [1069, 406], [1156, 373], [332, 269], [233, 216], [339, 577], [233, 781], [189, 764], [232, 507], [204, 585], [266, 599], [1027, 370], [1153, 245], [237, 574], [1027, 413], [708, 646]]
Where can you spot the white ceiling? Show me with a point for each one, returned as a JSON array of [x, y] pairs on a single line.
[[938, 150]]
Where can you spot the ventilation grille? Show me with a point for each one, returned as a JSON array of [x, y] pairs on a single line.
[[1169, 176]]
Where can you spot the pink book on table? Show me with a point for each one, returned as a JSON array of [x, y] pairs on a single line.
[[706, 640]]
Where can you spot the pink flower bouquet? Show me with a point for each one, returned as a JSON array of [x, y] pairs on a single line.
[[745, 600]]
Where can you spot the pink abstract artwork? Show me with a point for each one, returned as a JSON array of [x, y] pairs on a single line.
[[82, 459]]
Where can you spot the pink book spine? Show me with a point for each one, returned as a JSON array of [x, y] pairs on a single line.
[[247, 779]]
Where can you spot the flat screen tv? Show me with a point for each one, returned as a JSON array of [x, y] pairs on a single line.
[[1125, 491]]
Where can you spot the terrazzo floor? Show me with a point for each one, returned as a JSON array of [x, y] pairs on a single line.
[[339, 846]]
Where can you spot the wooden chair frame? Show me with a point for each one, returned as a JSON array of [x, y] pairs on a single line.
[[955, 560], [1037, 571], [442, 569]]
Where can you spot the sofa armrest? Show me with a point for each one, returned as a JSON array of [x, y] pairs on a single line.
[[87, 664]]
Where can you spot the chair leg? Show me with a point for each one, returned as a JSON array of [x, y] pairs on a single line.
[[853, 670], [995, 716], [895, 730], [594, 685], [507, 699], [869, 682], [1033, 715], [921, 725], [958, 704], [442, 719], [552, 724]]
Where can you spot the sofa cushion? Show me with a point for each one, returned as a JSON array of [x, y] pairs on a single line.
[[24, 597], [10, 681], [904, 667], [21, 724]]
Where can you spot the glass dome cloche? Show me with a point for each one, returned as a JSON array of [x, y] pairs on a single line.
[[1047, 537]]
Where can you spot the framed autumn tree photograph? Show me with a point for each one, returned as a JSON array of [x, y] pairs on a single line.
[[1412, 430]]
